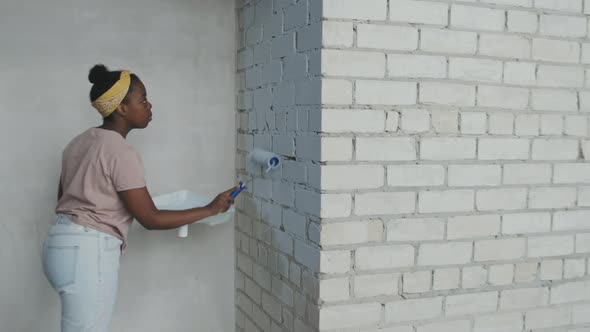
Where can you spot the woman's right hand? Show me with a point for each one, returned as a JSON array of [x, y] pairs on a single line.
[[222, 202]]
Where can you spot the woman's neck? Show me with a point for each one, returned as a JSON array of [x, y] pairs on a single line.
[[116, 126]]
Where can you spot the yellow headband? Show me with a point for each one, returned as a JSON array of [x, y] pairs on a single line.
[[108, 102]]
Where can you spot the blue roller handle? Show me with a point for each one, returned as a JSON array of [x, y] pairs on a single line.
[[238, 191]]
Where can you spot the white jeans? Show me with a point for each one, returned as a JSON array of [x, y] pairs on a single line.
[[82, 264]]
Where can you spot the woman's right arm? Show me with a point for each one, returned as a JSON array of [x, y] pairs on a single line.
[[141, 206]]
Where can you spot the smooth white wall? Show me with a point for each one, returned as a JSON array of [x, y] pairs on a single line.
[[184, 51]]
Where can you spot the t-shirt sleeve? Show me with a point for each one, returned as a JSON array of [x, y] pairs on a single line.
[[128, 172]]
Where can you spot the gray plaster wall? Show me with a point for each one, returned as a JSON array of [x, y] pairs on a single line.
[[184, 51]]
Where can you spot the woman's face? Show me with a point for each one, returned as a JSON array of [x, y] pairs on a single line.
[[139, 109]]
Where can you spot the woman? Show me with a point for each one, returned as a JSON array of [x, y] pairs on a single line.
[[101, 190]]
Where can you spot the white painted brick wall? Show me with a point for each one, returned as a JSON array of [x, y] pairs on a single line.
[[435, 170]]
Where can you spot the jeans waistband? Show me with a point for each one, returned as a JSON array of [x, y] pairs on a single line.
[[64, 222]]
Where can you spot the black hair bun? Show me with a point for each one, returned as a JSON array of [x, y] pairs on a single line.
[[98, 73]]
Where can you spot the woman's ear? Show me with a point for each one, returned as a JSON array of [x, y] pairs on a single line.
[[122, 110]]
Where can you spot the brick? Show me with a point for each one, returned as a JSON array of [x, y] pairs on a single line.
[[522, 21], [497, 250], [416, 66], [445, 279], [385, 203], [503, 97], [556, 50], [519, 73], [584, 196], [283, 145], [447, 41], [419, 12], [333, 149], [445, 253], [376, 285], [415, 229], [585, 53], [296, 16], [527, 173], [549, 246], [351, 232], [306, 255], [446, 94], [519, 3], [386, 93], [387, 37], [552, 198], [563, 26], [271, 306], [473, 123], [504, 46], [343, 177], [445, 122], [417, 282], [334, 261], [447, 148], [470, 304], [415, 175], [527, 125], [523, 298], [353, 63], [525, 272], [473, 226], [415, 120], [474, 277], [574, 268], [454, 326], [560, 76], [481, 70], [571, 173], [503, 149], [545, 318], [351, 9], [477, 18], [576, 126], [446, 201], [571, 292], [524, 223], [501, 199], [392, 121], [336, 34], [283, 46], [294, 222], [409, 310], [385, 148], [571, 220], [553, 100], [574, 6], [501, 124], [551, 124], [501, 274], [551, 269], [332, 290], [555, 149], [581, 313], [349, 316], [336, 91], [345, 120], [384, 257], [510, 322]]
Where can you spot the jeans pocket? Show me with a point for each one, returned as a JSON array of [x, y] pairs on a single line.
[[112, 244], [59, 264]]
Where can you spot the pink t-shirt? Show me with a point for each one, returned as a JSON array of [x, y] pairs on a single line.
[[96, 165]]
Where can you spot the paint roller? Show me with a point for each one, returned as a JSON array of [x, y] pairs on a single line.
[[265, 159]]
